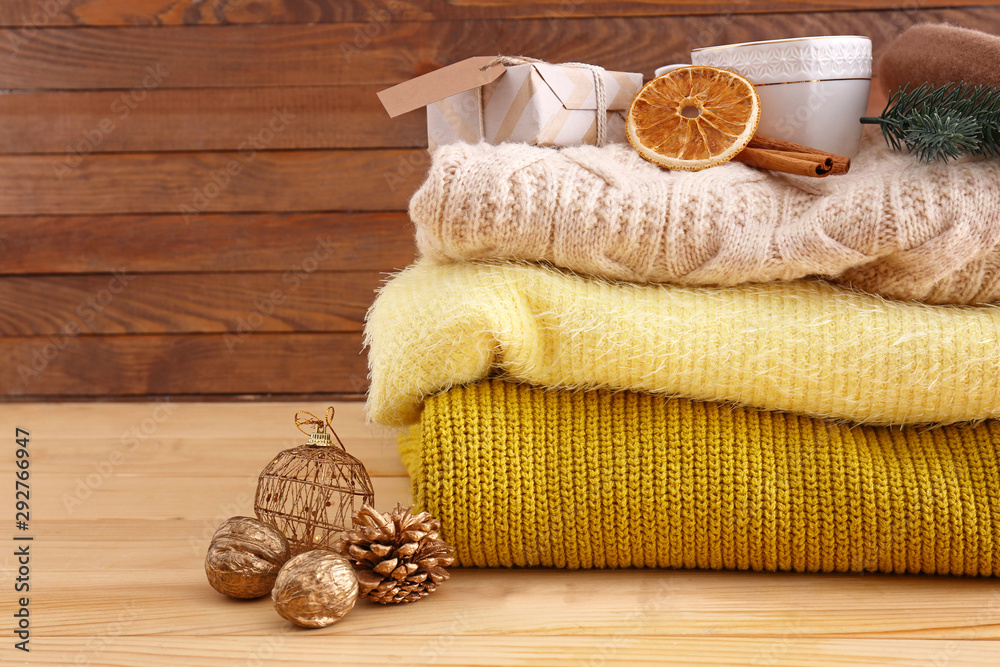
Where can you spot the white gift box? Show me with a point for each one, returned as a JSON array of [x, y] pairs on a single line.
[[534, 102]]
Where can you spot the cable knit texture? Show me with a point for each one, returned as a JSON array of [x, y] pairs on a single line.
[[804, 346], [524, 477], [892, 226]]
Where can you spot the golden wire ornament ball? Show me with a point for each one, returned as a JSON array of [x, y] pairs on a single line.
[[310, 493]]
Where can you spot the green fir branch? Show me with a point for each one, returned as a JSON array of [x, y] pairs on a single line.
[[943, 138], [943, 122]]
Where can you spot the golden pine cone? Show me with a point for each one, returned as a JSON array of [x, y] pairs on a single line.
[[398, 557]]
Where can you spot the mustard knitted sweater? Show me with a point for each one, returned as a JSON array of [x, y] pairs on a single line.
[[806, 347], [521, 476], [892, 226]]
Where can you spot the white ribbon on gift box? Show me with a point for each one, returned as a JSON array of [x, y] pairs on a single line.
[[599, 91]]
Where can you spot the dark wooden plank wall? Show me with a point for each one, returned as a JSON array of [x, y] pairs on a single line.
[[199, 197]]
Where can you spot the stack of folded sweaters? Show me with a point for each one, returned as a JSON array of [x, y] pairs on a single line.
[[603, 364]]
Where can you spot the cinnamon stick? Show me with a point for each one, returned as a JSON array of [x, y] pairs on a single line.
[[841, 164], [825, 160], [779, 161]]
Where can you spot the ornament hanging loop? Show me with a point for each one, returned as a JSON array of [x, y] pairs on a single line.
[[319, 436]]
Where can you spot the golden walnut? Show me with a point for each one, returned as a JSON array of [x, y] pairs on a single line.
[[315, 589], [245, 557]]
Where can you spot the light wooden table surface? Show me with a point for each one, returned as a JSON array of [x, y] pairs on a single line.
[[124, 499]]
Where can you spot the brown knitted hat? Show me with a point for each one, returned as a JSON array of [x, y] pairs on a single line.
[[940, 54]]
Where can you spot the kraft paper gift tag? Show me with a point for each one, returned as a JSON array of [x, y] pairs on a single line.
[[534, 102]]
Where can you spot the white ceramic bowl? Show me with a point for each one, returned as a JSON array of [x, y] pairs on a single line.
[[813, 90]]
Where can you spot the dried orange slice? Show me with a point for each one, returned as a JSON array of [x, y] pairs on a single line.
[[693, 117]]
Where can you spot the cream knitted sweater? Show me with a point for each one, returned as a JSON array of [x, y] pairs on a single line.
[[891, 226]]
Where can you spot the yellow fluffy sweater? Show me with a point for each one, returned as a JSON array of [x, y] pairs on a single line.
[[806, 347], [521, 476]]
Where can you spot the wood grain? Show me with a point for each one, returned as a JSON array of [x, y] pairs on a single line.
[[283, 646], [206, 500], [164, 454], [123, 303], [868, 605], [254, 363], [250, 399], [210, 242], [173, 438], [193, 183], [239, 56], [117, 578], [74, 123], [91, 422], [213, 119], [160, 566], [126, 495], [213, 12], [540, 603]]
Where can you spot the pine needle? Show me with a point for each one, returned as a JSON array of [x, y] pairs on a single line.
[[942, 123]]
